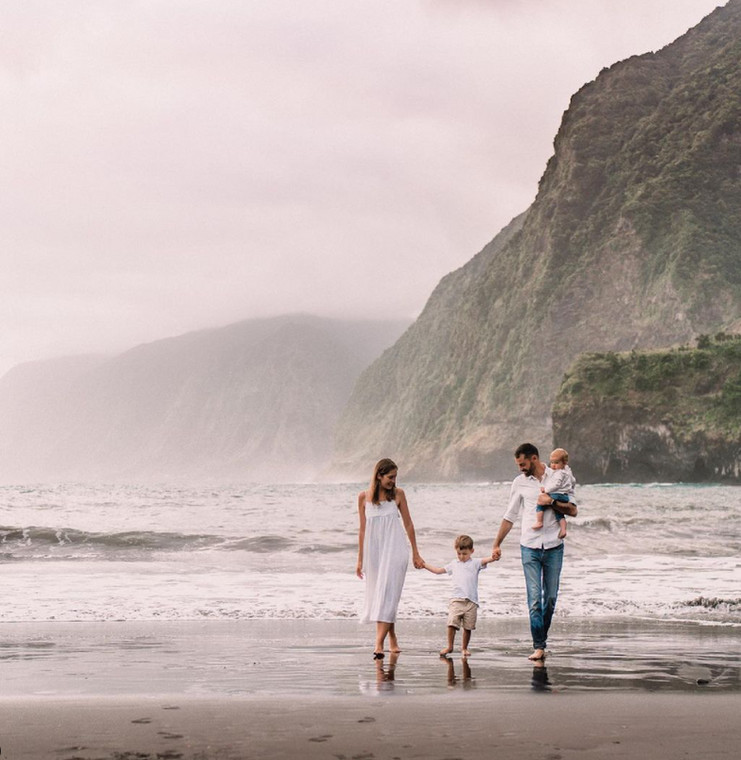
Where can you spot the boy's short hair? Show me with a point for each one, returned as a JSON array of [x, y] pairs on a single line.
[[463, 542]]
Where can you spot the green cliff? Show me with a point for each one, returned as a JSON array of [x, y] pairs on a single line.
[[671, 415], [633, 242]]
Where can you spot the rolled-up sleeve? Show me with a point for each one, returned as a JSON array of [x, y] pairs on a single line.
[[514, 506]]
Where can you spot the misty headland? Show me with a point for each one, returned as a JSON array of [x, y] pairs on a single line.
[[632, 244]]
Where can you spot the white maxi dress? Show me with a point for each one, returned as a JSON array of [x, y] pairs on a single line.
[[385, 561]]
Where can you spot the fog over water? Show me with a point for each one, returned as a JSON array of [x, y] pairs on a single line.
[[176, 166]]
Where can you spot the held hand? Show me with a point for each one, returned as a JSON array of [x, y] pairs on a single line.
[[496, 553], [419, 563], [359, 570]]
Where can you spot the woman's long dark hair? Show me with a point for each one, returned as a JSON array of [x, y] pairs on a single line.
[[383, 467]]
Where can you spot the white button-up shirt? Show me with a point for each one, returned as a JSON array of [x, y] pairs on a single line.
[[523, 499]]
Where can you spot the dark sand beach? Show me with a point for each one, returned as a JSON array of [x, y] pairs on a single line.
[[610, 688]]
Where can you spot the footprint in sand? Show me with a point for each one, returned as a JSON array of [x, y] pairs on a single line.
[[322, 738], [367, 719], [168, 735], [142, 720]]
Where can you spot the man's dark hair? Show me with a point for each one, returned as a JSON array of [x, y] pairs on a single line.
[[526, 450]]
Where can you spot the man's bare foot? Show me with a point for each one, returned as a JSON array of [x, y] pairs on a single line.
[[538, 654], [466, 652], [445, 652]]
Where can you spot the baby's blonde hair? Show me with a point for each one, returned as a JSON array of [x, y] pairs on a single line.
[[561, 455]]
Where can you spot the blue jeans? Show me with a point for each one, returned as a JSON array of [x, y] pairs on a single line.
[[542, 569]]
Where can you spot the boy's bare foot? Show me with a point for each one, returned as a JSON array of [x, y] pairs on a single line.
[[445, 652], [538, 654]]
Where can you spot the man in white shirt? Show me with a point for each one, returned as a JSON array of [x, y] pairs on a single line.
[[541, 550]]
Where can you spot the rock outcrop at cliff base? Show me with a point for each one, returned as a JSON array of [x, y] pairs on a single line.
[[654, 416]]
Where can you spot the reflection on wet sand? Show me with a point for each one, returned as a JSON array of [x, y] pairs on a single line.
[[212, 657], [466, 679], [386, 672], [540, 681]]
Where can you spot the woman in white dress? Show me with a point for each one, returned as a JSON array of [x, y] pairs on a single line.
[[383, 554]]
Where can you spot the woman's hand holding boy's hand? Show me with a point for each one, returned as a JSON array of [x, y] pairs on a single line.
[[419, 563]]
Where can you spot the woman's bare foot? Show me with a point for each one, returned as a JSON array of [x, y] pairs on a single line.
[[445, 652], [538, 654], [394, 644]]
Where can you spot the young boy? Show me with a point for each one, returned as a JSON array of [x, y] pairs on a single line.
[[464, 602], [559, 485]]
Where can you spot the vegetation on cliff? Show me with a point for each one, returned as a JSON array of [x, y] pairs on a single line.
[[633, 242], [647, 415]]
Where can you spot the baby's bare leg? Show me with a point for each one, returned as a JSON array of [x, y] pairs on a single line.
[[562, 528], [538, 524]]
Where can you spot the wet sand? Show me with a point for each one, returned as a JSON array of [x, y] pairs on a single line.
[[657, 726], [284, 689]]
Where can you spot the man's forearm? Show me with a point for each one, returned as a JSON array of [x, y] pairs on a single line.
[[504, 529], [566, 507]]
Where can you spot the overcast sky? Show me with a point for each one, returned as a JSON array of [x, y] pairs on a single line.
[[169, 165]]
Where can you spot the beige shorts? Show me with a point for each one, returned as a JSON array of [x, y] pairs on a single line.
[[462, 613]]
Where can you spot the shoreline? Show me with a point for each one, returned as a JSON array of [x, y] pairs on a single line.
[[245, 658], [305, 688]]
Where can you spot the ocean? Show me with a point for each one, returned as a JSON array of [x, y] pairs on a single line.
[[81, 552]]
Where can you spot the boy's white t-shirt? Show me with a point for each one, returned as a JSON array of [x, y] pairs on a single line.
[[465, 577]]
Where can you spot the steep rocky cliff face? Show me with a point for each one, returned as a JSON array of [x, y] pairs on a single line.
[[633, 241], [255, 400], [654, 416]]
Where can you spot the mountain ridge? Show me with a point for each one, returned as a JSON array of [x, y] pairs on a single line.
[[255, 400], [631, 242]]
